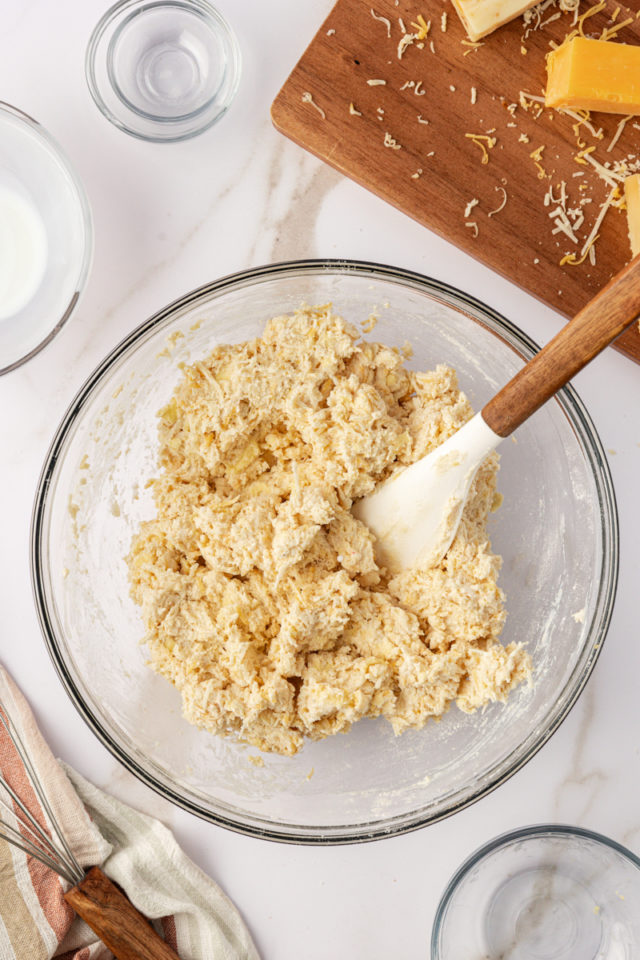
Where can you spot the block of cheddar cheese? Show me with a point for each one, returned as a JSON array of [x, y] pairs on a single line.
[[598, 75], [632, 200], [481, 17]]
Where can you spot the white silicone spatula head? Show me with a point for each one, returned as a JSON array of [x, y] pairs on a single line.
[[415, 514]]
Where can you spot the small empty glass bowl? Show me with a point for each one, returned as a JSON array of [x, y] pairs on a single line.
[[46, 238], [546, 892], [164, 70]]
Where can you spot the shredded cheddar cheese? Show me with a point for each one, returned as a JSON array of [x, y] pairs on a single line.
[[483, 141], [421, 27]]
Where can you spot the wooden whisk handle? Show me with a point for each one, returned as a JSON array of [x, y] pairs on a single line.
[[116, 921], [603, 319]]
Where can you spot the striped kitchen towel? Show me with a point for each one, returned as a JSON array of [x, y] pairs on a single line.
[[189, 910]]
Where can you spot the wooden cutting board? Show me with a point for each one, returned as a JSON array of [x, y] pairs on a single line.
[[434, 171]]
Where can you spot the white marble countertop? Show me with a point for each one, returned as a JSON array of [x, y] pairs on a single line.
[[168, 218]]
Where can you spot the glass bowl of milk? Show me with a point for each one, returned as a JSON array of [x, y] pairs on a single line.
[[45, 238]]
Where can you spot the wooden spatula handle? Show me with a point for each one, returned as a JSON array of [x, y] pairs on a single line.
[[603, 319], [113, 917]]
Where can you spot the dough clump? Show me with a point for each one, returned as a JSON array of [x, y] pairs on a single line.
[[261, 595]]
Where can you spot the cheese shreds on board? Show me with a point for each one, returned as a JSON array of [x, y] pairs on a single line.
[[307, 98], [582, 118], [594, 75], [610, 32], [502, 204], [481, 17], [405, 42], [483, 141], [376, 83], [533, 17], [391, 142], [589, 244], [384, 20], [422, 27], [618, 133], [632, 198]]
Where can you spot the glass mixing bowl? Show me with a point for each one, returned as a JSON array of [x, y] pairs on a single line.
[[556, 530]]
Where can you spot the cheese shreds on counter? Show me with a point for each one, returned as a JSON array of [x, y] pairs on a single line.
[[632, 198], [594, 75], [262, 598], [481, 17]]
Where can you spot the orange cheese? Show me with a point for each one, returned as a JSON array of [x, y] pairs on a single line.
[[599, 75], [632, 200]]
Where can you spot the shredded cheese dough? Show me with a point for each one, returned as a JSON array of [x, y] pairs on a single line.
[[262, 598]]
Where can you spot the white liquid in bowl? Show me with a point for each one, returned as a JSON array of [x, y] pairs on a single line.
[[23, 251]]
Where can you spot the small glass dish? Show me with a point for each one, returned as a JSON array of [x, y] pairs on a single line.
[[164, 70], [548, 892], [46, 238]]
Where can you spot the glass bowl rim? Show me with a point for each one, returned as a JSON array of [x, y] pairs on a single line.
[[87, 222], [534, 831], [208, 13], [578, 418]]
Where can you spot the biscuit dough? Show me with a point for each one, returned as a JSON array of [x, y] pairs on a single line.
[[260, 591]]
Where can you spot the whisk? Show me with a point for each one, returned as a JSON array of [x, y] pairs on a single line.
[[95, 898]]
